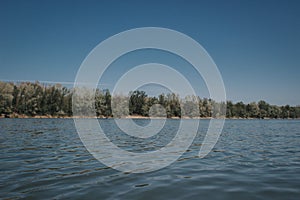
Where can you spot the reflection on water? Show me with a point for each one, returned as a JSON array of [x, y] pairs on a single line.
[[253, 159]]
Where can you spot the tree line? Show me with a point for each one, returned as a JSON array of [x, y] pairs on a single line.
[[36, 99]]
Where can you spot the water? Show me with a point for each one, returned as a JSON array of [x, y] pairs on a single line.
[[253, 159]]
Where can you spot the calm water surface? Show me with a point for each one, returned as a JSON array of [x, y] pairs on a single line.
[[253, 159]]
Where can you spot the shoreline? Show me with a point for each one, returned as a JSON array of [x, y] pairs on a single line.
[[16, 116]]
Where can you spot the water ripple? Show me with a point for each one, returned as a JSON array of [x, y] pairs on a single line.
[[253, 159]]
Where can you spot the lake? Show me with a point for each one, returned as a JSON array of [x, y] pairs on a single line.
[[253, 159]]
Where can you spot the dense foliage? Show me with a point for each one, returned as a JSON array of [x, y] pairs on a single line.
[[31, 99]]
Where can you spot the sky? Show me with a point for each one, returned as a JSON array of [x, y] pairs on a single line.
[[255, 44]]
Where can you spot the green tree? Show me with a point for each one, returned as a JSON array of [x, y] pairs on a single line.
[[252, 110], [6, 98], [136, 102]]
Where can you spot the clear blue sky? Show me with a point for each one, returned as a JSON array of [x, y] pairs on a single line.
[[255, 44]]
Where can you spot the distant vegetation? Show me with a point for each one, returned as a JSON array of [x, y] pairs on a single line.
[[35, 99]]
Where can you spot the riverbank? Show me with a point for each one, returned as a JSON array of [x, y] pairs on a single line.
[[88, 117], [123, 117]]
